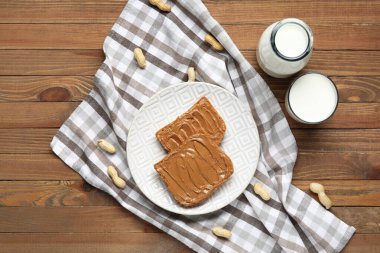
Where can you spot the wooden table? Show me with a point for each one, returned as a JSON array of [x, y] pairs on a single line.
[[49, 52]]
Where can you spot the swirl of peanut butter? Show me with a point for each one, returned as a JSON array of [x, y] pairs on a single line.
[[201, 118], [195, 170]]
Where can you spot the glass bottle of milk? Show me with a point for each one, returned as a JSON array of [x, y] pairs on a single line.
[[285, 47]]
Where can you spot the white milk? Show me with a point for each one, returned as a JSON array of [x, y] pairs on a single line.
[[285, 47], [312, 98], [291, 40]]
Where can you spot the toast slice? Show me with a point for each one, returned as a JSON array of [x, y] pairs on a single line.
[[194, 171], [201, 118]]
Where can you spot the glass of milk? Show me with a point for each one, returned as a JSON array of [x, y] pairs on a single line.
[[312, 98], [285, 47]]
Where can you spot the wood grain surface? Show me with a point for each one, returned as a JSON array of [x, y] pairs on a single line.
[[46, 207]]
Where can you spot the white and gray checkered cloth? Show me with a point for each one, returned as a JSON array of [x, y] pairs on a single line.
[[290, 222]]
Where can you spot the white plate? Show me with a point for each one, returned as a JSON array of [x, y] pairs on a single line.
[[241, 143]]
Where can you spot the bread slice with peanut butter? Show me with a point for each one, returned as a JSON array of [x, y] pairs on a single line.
[[201, 118], [195, 170]]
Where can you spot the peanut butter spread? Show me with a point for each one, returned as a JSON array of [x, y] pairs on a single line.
[[200, 118], [195, 166], [194, 171]]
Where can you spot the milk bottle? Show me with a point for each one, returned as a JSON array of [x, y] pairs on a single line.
[[285, 47]]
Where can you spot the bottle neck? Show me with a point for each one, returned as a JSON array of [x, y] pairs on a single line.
[[304, 29]]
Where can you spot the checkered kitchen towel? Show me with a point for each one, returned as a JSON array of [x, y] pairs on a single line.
[[290, 222]]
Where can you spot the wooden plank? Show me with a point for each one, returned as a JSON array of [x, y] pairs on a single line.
[[53, 114], [56, 36], [56, 11], [50, 62], [37, 141], [352, 89], [225, 11], [44, 88], [317, 140], [93, 243], [246, 36], [35, 167], [26, 141], [358, 89], [350, 36], [336, 63], [347, 192], [86, 62], [115, 219], [348, 62], [364, 219], [309, 166], [131, 242], [318, 11], [352, 115], [78, 193], [363, 243], [52, 193], [334, 165], [35, 114], [71, 219]]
